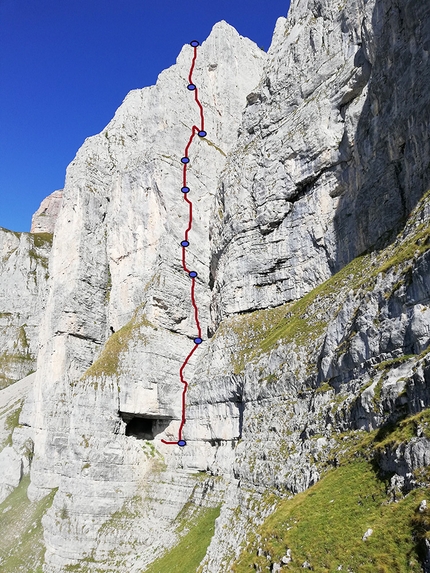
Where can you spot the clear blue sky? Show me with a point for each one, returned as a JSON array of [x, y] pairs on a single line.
[[66, 66]]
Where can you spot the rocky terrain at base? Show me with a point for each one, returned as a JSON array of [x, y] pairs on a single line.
[[308, 410]]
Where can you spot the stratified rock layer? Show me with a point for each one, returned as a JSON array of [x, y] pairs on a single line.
[[333, 152], [119, 300], [320, 173]]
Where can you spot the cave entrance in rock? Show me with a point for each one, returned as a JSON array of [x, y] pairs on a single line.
[[143, 427]]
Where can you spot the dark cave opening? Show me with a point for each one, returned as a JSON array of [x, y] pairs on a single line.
[[143, 427], [140, 428]]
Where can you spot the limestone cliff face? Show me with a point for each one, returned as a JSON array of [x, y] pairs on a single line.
[[118, 296], [315, 153], [330, 140]]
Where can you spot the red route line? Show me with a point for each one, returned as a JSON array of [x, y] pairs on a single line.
[[195, 130]]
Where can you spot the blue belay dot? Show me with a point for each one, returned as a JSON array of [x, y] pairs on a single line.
[[182, 443], [198, 340], [191, 86], [185, 243], [194, 43], [193, 274], [185, 160], [202, 133], [185, 189]]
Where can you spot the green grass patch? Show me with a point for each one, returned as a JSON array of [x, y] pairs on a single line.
[[305, 320], [413, 246], [40, 259], [23, 363], [37, 252], [186, 556], [302, 322], [22, 547], [325, 526], [250, 329], [42, 239], [404, 430], [11, 422], [16, 233], [108, 362], [394, 362], [325, 387]]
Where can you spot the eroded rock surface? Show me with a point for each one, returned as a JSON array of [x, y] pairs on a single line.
[[327, 148], [293, 355]]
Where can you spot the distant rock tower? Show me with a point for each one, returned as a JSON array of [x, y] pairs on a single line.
[[43, 221]]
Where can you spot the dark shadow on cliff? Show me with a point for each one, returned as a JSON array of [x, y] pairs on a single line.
[[389, 168]]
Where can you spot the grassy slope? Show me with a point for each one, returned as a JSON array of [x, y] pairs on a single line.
[[186, 556], [325, 524], [22, 547]]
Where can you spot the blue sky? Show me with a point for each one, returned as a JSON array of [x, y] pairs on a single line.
[[66, 66]]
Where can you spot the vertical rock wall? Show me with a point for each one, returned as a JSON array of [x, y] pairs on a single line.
[[333, 152], [119, 321]]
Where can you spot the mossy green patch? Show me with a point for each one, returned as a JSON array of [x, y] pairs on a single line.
[[249, 329], [6, 315], [22, 339], [38, 258], [108, 362], [186, 556], [394, 362], [23, 362], [16, 233], [325, 387], [37, 252], [325, 526], [42, 239], [11, 422], [22, 547], [404, 430]]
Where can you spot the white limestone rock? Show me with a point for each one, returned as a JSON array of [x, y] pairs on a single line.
[[10, 471], [116, 280], [264, 405], [322, 169]]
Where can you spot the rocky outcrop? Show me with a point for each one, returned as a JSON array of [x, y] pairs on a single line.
[[329, 161], [10, 471], [24, 260], [304, 340], [43, 221]]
